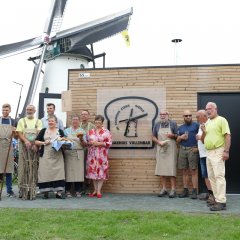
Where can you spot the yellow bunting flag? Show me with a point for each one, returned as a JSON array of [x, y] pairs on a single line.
[[126, 37]]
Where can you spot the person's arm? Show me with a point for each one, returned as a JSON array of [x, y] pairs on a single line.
[[39, 141], [173, 126], [226, 146], [155, 134]]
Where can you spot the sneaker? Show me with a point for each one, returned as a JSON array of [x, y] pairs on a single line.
[[172, 194], [184, 194], [194, 193], [218, 207], [68, 195], [163, 193], [203, 196], [11, 194]]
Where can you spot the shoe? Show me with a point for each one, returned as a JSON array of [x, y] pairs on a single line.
[[163, 193], [78, 195], [69, 195], [184, 194], [11, 194], [172, 194], [218, 207], [45, 196], [194, 193], [60, 195], [92, 195], [211, 201], [203, 196], [99, 195]]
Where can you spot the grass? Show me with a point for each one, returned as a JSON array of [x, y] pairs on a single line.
[[41, 224]]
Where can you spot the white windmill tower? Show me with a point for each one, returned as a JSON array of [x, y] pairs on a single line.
[[63, 50]]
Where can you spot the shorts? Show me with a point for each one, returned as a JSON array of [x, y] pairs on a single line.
[[203, 166], [187, 158]]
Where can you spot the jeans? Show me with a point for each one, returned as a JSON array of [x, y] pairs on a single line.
[[9, 182]]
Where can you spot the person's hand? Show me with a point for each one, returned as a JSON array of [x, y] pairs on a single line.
[[184, 136], [203, 127], [27, 144], [170, 135], [225, 156], [47, 142], [161, 143], [34, 148]]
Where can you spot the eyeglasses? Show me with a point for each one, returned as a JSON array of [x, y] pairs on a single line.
[[98, 121], [163, 114], [189, 115]]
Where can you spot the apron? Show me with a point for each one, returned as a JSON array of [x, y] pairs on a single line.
[[51, 164], [5, 138], [74, 161], [166, 156], [28, 164]]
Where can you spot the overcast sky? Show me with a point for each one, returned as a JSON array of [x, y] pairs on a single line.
[[210, 30]]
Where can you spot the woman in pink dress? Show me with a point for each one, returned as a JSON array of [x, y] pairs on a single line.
[[99, 140]]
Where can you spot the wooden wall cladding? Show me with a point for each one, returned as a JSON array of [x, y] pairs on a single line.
[[181, 83]]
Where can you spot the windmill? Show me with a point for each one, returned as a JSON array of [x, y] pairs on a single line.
[[68, 45]]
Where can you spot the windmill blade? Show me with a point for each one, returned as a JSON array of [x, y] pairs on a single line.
[[55, 17], [95, 31], [19, 47], [53, 24]]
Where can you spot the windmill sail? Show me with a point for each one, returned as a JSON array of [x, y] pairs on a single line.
[[53, 24]]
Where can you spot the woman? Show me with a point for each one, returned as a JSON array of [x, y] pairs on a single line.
[[99, 140], [74, 159], [51, 174]]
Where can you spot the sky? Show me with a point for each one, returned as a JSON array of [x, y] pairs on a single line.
[[210, 33]]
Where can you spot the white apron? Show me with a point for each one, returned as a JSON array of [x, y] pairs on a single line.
[[5, 138], [74, 161], [166, 156]]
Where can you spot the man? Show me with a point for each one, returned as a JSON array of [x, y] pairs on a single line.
[[6, 133], [50, 112], [188, 153], [27, 129], [164, 135], [202, 119], [86, 125], [217, 141]]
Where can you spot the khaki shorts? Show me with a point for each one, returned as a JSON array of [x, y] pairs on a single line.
[[188, 158]]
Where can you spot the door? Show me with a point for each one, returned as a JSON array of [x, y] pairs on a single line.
[[228, 107]]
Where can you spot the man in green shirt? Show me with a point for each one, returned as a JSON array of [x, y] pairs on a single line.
[[217, 141]]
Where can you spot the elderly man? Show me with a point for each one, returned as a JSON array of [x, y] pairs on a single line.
[[86, 125], [50, 112], [27, 129], [217, 141], [188, 153], [164, 135], [202, 118]]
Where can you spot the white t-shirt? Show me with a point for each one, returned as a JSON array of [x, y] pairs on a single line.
[[201, 147]]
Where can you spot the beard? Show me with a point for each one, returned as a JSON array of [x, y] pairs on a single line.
[[30, 116], [163, 120]]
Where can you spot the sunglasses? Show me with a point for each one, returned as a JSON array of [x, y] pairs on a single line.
[[190, 115]]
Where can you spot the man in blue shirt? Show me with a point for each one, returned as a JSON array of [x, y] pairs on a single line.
[[188, 153], [50, 112]]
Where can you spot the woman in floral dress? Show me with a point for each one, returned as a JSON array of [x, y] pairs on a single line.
[[99, 140]]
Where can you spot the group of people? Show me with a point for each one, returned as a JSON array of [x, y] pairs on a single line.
[[67, 169], [81, 156], [207, 141]]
